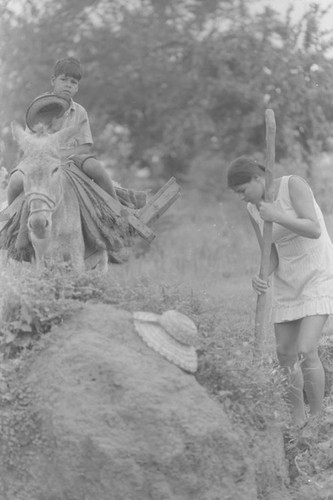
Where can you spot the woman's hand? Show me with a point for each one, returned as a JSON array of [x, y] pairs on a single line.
[[260, 286], [268, 212]]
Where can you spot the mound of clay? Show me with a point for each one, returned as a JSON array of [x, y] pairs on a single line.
[[98, 415]]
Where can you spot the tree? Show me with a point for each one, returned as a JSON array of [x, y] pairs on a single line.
[[179, 74]]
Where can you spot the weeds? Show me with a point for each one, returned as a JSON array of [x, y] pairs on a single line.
[[199, 265]]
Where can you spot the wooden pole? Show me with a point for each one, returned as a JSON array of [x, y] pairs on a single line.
[[259, 331]]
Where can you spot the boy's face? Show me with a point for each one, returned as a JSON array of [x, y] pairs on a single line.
[[65, 85]]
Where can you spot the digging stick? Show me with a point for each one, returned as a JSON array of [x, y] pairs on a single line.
[[259, 332]]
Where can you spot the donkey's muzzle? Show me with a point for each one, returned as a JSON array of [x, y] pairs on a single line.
[[39, 225]]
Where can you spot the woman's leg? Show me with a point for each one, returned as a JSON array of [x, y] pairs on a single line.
[[95, 170], [286, 335], [310, 332]]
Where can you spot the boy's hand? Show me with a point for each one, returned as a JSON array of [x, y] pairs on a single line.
[[56, 124], [260, 286], [65, 153]]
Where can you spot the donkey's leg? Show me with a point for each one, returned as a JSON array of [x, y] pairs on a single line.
[[103, 262], [77, 251], [77, 261], [41, 248], [97, 260], [68, 248]]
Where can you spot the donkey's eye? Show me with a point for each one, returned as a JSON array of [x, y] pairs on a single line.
[[54, 170]]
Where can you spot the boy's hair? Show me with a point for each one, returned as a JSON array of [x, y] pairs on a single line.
[[68, 66], [242, 170]]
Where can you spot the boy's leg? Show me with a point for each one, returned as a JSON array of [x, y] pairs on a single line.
[[95, 170], [15, 186]]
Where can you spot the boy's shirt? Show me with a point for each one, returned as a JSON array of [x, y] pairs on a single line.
[[72, 116]]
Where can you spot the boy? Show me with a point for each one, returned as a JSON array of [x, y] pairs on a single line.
[[65, 83]]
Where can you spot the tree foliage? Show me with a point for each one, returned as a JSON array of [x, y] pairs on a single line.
[[181, 75]]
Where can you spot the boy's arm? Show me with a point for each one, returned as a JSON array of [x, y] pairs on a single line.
[[83, 140], [77, 150]]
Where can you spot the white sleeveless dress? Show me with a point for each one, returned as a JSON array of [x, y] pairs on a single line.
[[303, 281]]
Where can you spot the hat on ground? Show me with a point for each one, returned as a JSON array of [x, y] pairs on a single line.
[[157, 337], [180, 327], [44, 108]]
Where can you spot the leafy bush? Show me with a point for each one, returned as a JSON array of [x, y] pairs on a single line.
[[32, 302]]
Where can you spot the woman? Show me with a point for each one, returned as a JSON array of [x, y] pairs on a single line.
[[302, 267]]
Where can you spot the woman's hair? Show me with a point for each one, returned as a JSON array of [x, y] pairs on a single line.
[[242, 170], [68, 66]]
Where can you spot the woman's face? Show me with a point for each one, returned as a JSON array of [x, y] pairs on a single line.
[[252, 191]]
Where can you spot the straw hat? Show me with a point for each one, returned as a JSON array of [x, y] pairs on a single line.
[[44, 108], [180, 327], [155, 332]]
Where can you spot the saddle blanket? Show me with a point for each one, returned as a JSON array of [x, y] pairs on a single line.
[[101, 227]]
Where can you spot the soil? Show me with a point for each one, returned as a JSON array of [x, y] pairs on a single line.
[[308, 453]]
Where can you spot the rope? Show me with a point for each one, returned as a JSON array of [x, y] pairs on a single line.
[[44, 198]]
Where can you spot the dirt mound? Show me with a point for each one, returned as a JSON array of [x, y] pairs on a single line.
[[94, 414]]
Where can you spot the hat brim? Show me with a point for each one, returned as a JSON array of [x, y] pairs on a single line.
[[160, 341], [44, 108], [146, 316]]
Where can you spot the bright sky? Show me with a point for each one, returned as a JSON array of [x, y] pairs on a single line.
[[300, 7]]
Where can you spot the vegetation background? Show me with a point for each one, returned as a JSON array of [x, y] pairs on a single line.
[[168, 83], [178, 88]]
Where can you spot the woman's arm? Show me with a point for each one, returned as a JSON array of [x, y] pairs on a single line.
[[274, 258], [306, 223]]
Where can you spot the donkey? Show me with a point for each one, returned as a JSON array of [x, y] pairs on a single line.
[[54, 221]]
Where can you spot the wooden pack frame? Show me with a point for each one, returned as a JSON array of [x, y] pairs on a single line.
[[140, 220]]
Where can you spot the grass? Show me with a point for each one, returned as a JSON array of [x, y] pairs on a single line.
[[201, 264]]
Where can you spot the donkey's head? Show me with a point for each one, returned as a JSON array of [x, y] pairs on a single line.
[[42, 174]]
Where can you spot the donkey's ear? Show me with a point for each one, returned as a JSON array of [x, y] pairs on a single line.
[[19, 134], [65, 134], [17, 130]]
